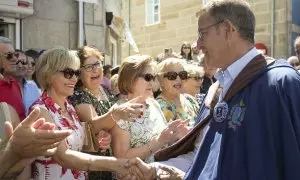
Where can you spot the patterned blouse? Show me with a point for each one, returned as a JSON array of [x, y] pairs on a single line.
[[144, 129], [187, 111], [47, 168], [81, 96]]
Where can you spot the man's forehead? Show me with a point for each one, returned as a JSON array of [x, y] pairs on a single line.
[[204, 20]]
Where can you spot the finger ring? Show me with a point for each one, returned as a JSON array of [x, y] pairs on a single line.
[[171, 132]]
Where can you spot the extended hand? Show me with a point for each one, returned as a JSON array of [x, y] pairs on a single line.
[[170, 173], [144, 171], [129, 110], [104, 140], [34, 137]]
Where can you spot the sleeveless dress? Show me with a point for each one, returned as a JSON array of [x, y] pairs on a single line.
[[47, 168]]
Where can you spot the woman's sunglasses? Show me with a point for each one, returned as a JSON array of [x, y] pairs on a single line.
[[91, 67], [183, 75], [147, 77], [69, 73], [196, 78], [10, 55], [22, 62]]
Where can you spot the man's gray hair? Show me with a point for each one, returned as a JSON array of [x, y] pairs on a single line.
[[297, 41], [5, 40], [238, 12]]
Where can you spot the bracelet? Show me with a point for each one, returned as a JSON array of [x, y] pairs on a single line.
[[150, 150]]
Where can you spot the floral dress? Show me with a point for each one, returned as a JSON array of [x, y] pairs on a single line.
[[46, 167], [82, 96], [187, 111], [144, 129]]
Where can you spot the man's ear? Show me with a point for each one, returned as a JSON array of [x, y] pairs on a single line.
[[230, 28]]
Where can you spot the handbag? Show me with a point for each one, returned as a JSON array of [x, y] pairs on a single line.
[[90, 143]]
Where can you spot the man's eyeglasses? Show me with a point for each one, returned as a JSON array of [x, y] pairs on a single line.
[[10, 55], [91, 67], [183, 75], [148, 77], [201, 32], [69, 73], [196, 78]]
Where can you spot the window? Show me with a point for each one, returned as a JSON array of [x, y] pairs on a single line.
[[152, 12]]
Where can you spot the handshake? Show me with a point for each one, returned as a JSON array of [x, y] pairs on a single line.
[[136, 169]]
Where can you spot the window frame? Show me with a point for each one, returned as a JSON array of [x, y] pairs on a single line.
[[153, 4]]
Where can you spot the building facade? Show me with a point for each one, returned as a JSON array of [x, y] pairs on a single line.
[[44, 24], [159, 24]]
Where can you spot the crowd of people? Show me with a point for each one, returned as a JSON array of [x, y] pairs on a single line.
[[230, 113]]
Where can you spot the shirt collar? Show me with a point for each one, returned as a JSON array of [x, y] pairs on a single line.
[[235, 68]]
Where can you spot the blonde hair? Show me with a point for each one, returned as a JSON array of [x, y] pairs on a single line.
[[130, 68], [162, 66], [114, 81], [53, 61], [194, 70]]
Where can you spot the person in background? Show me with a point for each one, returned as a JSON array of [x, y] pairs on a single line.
[[209, 78], [29, 89], [193, 84], [114, 85], [196, 53], [93, 106], [173, 103], [293, 61], [150, 131], [10, 91], [106, 77], [186, 51], [115, 70], [297, 47], [32, 57]]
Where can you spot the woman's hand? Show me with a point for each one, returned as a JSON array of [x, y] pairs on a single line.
[[170, 173], [129, 110], [104, 139], [175, 130]]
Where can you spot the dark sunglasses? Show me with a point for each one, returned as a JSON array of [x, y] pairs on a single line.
[[10, 55], [22, 62], [69, 73], [147, 77], [197, 78], [173, 75], [186, 47], [91, 67]]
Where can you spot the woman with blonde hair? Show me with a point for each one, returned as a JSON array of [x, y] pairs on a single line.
[[57, 73], [150, 131], [174, 103]]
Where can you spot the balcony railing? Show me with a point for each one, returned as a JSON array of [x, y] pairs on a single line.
[[16, 8]]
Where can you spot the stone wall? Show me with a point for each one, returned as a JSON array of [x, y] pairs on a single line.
[[178, 23]]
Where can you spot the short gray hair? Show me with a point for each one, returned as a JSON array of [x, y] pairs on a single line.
[[5, 40], [53, 61], [238, 12]]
